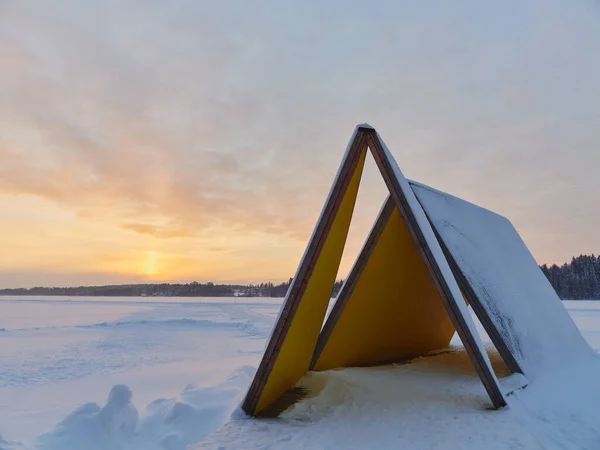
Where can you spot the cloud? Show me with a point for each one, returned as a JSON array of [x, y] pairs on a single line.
[[155, 231], [114, 108], [180, 119], [218, 249]]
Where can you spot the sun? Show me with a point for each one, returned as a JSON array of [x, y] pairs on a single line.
[[151, 266]]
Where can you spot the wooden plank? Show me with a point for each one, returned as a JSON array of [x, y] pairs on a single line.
[[450, 303], [353, 277], [298, 286]]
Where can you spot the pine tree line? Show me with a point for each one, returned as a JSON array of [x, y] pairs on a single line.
[[577, 280], [193, 289]]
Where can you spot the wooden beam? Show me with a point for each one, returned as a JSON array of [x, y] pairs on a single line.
[[450, 303], [478, 308], [353, 277], [355, 149]]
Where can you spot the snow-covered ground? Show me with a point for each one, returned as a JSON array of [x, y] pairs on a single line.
[[187, 362], [176, 369]]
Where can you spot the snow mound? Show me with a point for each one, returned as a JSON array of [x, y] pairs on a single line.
[[166, 424]]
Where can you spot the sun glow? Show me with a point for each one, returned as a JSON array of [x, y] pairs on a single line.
[[151, 267]]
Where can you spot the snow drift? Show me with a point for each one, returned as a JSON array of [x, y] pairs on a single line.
[[166, 424]]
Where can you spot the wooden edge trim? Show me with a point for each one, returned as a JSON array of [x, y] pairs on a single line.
[[450, 303], [353, 277], [298, 286]]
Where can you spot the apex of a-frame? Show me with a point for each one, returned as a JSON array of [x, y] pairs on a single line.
[[364, 127]]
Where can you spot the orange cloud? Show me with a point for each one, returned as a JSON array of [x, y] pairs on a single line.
[[155, 231], [186, 129]]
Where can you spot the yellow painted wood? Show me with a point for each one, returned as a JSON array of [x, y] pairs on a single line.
[[394, 311], [297, 349]]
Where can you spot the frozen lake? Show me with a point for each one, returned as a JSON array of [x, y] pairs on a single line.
[[58, 353]]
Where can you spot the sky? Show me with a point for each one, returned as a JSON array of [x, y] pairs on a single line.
[[147, 141]]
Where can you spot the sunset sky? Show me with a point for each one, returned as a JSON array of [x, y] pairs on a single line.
[[189, 140]]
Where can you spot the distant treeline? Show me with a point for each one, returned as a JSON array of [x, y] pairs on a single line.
[[193, 289], [577, 280]]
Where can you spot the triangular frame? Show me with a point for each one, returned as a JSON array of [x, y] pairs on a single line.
[[423, 236]]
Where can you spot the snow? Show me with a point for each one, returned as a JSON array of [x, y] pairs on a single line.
[[417, 406], [435, 402], [57, 354], [133, 374], [167, 424], [412, 406]]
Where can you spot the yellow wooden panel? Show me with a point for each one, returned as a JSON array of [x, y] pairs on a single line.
[[394, 311], [299, 344]]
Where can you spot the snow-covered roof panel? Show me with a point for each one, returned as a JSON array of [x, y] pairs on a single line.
[[506, 279]]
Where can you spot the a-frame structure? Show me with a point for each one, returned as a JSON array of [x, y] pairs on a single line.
[[413, 312], [388, 309]]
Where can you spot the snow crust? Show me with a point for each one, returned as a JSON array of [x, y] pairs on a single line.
[[513, 290]]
